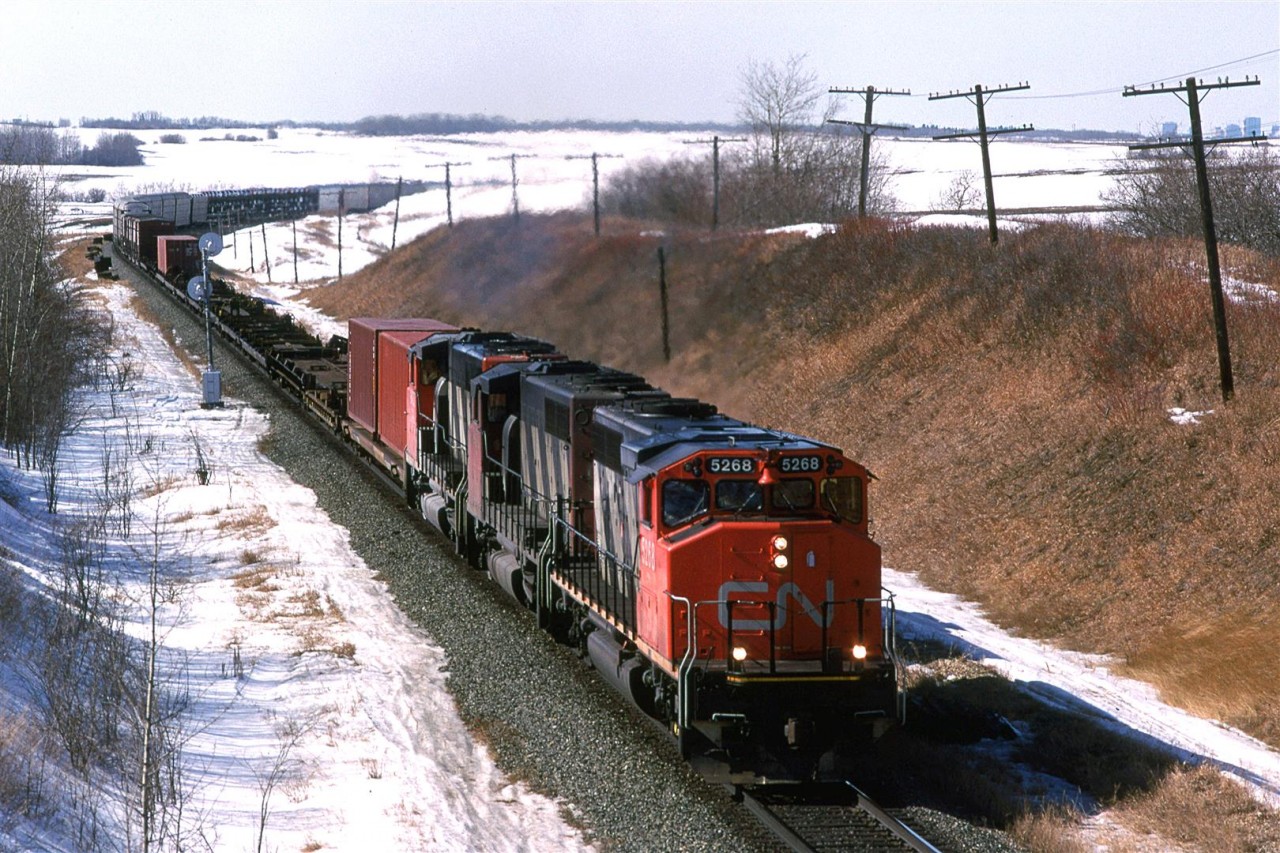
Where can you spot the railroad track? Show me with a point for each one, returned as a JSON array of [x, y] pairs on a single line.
[[828, 817]]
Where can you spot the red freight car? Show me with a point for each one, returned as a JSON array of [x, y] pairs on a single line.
[[177, 256], [378, 383]]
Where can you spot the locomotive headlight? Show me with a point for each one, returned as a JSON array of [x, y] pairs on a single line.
[[780, 561], [780, 543], [739, 654], [859, 652]]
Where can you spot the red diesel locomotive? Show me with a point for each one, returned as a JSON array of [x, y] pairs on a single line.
[[719, 574]]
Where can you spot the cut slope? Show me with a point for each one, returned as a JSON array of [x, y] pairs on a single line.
[[1012, 399]]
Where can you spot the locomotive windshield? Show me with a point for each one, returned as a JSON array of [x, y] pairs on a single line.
[[684, 500], [739, 496], [843, 496], [792, 494]]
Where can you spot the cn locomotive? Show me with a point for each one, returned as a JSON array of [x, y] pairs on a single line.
[[719, 574]]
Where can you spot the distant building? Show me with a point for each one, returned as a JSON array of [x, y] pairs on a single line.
[[1169, 129], [1253, 126], [1232, 131]]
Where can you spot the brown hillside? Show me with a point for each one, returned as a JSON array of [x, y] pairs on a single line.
[[1012, 401]]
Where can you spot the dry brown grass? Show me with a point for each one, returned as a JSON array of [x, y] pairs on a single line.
[[1203, 810], [160, 486], [258, 578], [1055, 830], [247, 524]]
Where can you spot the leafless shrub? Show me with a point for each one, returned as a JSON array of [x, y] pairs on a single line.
[[202, 468], [23, 760], [961, 193], [114, 493], [1159, 198], [281, 769]]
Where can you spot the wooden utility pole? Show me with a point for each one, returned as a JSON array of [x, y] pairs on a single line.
[[979, 96], [1192, 90], [266, 257], [515, 183], [395, 223], [715, 171], [662, 292], [868, 129], [295, 251], [342, 202], [448, 187], [595, 180]]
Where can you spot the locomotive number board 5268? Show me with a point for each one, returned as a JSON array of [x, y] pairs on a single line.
[[731, 465], [801, 464]]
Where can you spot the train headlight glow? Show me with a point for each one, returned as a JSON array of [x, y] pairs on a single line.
[[780, 561], [780, 543], [739, 654], [859, 652]]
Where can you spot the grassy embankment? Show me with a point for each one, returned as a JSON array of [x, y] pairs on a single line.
[[1012, 401]]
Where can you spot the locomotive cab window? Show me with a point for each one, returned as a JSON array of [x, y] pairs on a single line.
[[739, 496], [843, 496], [646, 501], [792, 494], [684, 500]]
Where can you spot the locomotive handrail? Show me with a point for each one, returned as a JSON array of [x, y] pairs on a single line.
[[888, 620]]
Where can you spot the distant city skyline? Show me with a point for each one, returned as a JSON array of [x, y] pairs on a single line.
[[323, 60]]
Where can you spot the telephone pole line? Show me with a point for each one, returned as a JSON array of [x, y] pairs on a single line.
[[448, 187], [979, 96], [1194, 92], [595, 179], [869, 95], [715, 142]]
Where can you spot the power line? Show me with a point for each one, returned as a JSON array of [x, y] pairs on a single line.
[[1119, 90]]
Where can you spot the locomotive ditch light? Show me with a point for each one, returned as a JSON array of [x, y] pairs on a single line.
[[859, 652], [739, 654]]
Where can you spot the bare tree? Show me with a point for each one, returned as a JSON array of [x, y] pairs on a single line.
[[780, 103], [798, 167]]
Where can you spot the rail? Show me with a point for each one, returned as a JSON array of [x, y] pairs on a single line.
[[830, 816]]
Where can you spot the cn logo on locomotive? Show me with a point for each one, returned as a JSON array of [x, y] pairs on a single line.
[[787, 590]]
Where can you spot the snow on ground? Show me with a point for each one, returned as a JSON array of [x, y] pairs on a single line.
[[296, 656], [1083, 684]]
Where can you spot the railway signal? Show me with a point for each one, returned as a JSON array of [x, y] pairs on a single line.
[[210, 244]]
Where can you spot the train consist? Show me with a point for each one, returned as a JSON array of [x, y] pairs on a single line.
[[719, 574]]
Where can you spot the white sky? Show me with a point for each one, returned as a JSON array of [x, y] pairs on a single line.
[[338, 61]]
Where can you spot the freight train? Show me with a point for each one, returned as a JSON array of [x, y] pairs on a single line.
[[719, 574]]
